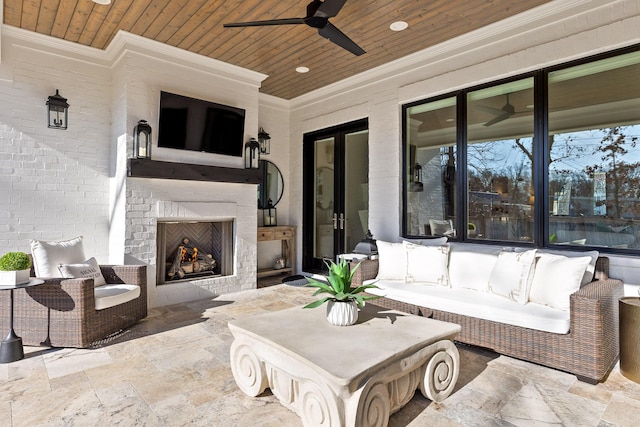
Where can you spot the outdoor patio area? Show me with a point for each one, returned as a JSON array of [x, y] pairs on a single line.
[[172, 369]]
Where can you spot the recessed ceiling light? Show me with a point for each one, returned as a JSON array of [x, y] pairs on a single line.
[[302, 70], [449, 120], [399, 26], [530, 106], [102, 1]]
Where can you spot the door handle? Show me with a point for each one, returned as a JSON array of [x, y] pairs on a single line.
[[341, 221], [335, 221]]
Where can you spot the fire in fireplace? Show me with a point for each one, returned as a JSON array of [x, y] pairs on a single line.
[[191, 250]]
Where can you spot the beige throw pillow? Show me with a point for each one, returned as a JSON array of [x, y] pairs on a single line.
[[89, 268]]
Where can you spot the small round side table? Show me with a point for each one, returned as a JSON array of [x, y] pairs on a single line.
[[11, 347], [630, 337]]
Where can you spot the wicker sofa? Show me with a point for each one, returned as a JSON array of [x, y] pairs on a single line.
[[62, 312], [589, 350]]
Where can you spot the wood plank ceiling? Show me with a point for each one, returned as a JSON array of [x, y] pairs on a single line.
[[196, 25]]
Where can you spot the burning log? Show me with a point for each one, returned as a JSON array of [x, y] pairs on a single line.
[[188, 259]]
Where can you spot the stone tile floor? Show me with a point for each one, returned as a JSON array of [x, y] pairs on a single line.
[[172, 369]]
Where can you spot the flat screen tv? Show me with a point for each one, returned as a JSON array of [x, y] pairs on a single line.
[[193, 124]]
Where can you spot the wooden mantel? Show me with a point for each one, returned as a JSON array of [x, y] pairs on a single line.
[[146, 168]]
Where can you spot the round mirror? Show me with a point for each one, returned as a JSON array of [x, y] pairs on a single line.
[[272, 184]]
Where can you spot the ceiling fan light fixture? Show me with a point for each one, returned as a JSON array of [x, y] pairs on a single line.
[[103, 2], [302, 70], [398, 26]]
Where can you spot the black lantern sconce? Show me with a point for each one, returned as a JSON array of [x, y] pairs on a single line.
[[142, 140], [252, 154], [264, 139], [416, 179], [270, 215], [58, 111]]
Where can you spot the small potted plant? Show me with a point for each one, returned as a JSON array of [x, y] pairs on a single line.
[[343, 300], [14, 268]]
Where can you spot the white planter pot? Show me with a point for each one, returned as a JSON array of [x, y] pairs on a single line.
[[342, 313], [12, 278]]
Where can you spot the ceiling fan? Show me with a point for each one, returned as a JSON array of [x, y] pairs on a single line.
[[318, 14], [501, 114]]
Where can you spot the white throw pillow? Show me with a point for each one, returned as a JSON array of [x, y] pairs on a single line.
[[470, 266], [47, 255], [512, 275], [427, 264], [89, 268], [392, 261], [591, 268], [556, 277]]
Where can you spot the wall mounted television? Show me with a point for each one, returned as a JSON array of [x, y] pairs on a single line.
[[193, 124]]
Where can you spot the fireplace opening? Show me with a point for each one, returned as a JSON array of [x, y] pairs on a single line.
[[192, 250]]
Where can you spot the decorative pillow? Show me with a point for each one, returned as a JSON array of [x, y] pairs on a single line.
[[47, 255], [470, 266], [512, 275], [89, 268], [556, 278], [591, 268], [427, 264], [392, 261]]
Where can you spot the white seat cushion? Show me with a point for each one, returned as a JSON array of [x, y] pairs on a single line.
[[112, 295], [482, 305]]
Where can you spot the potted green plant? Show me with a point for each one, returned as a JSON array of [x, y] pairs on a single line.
[[14, 268], [342, 300]]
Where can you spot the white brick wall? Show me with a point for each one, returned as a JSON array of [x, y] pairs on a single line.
[[59, 184]]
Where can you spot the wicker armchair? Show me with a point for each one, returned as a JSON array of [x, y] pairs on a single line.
[[61, 312], [589, 350]]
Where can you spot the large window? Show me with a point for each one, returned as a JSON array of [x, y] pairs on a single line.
[[545, 159], [430, 159], [594, 164]]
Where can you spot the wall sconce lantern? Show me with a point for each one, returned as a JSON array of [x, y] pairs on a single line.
[[265, 141], [58, 111], [142, 140], [252, 154], [270, 215], [416, 179]]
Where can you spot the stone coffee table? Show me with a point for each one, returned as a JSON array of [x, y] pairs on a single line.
[[344, 376]]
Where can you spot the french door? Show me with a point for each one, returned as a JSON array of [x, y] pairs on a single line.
[[336, 193]]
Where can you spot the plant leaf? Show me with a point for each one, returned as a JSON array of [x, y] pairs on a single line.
[[317, 303]]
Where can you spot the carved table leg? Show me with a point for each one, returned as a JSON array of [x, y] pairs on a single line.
[[441, 372], [247, 369]]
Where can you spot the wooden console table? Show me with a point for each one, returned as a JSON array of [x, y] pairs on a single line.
[[287, 235]]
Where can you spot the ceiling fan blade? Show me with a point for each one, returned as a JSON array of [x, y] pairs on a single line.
[[285, 21], [490, 110], [332, 33], [498, 119], [330, 8]]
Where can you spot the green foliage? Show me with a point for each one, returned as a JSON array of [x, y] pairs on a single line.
[[339, 286], [13, 261]]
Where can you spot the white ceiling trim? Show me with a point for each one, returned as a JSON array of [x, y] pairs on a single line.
[[124, 43]]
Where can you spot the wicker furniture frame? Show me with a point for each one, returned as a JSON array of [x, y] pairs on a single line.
[[589, 350], [61, 312]]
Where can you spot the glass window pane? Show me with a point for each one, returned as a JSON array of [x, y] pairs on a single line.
[[430, 176], [324, 195], [500, 162], [594, 165]]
